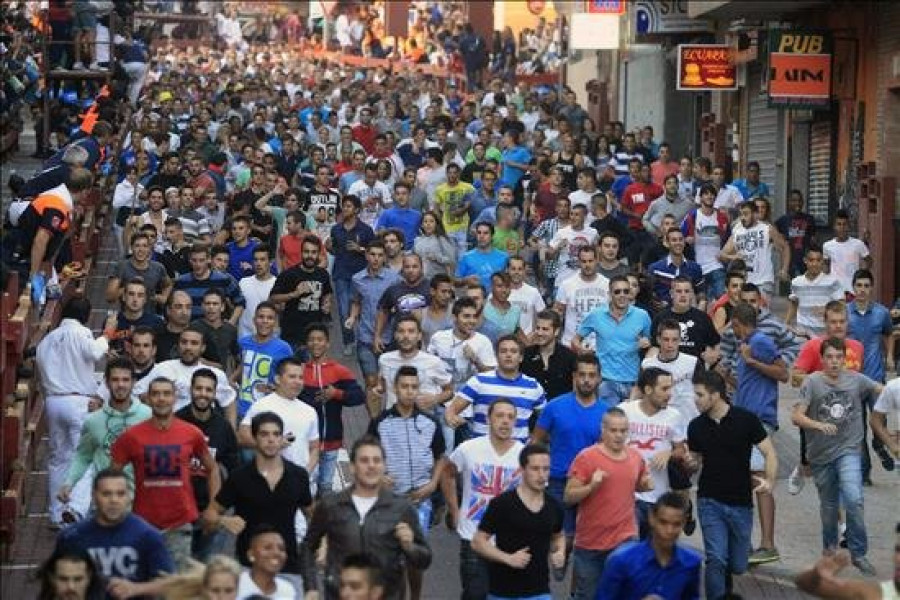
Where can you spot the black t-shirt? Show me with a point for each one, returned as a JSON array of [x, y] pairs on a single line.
[[514, 526], [556, 378], [725, 447], [300, 312], [473, 172], [255, 502], [322, 206], [223, 445], [403, 297], [697, 330]]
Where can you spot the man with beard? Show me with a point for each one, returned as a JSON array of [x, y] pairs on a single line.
[[548, 361], [179, 371], [222, 444], [177, 319], [580, 294], [305, 291], [128, 551], [162, 450], [98, 432], [411, 293]]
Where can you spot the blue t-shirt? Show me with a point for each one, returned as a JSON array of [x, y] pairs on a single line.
[[240, 260], [406, 220], [748, 191], [347, 263], [868, 328], [633, 572], [132, 550], [483, 264], [511, 175], [258, 364], [617, 341], [619, 185], [756, 392], [572, 428]]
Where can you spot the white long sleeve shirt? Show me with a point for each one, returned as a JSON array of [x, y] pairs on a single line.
[[67, 359], [180, 374]]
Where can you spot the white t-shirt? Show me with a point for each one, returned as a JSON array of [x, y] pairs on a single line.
[[449, 348], [374, 200], [254, 291], [889, 400], [583, 198], [485, 475], [682, 370], [300, 420], [180, 373], [530, 303], [754, 246], [707, 242], [581, 297], [568, 256], [811, 296], [650, 435], [844, 258], [433, 373], [247, 588], [363, 505]]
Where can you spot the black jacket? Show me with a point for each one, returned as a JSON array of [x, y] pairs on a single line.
[[336, 517]]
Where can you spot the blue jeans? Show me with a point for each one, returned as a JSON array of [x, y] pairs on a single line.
[[327, 467], [448, 432], [618, 391], [343, 293], [715, 284], [840, 483], [473, 573], [423, 511], [204, 545], [642, 516], [726, 540], [556, 487], [368, 362], [588, 569]]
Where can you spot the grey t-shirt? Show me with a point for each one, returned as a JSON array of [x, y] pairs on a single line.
[[153, 277], [838, 403]]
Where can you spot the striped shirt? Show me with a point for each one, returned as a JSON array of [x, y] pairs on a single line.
[[195, 288], [786, 341], [811, 296], [545, 232], [411, 446], [524, 391]]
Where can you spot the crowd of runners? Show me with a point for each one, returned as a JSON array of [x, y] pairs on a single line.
[[562, 334]]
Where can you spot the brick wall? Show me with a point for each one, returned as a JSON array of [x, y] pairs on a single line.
[[888, 104]]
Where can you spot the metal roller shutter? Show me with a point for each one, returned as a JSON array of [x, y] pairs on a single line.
[[820, 170], [763, 133]]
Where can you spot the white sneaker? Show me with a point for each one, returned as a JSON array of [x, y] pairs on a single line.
[[79, 66], [796, 481], [95, 66]]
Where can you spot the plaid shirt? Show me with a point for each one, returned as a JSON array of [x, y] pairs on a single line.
[[544, 232]]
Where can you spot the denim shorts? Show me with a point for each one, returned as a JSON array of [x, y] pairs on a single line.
[[85, 20], [368, 362]]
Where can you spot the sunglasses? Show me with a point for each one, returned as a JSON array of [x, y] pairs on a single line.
[[621, 291]]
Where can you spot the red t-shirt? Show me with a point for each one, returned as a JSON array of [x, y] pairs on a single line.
[[291, 251], [810, 358], [163, 495], [659, 171], [606, 516], [545, 201], [637, 198]]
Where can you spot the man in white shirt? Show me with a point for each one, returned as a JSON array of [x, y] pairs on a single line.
[[888, 404], [435, 387], [525, 296], [656, 431], [580, 294], [301, 423], [810, 292], [845, 255], [728, 197], [67, 359], [567, 242], [375, 195], [255, 288], [191, 346]]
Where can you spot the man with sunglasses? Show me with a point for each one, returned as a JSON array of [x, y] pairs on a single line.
[[622, 331]]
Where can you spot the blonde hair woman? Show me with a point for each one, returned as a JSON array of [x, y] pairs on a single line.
[[217, 580]]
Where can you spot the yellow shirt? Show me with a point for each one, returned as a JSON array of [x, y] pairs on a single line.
[[449, 198]]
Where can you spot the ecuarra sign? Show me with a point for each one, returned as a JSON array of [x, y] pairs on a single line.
[[800, 68]]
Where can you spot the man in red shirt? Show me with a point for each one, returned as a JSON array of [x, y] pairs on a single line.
[[664, 166], [602, 481], [161, 451], [364, 132], [636, 199], [810, 361]]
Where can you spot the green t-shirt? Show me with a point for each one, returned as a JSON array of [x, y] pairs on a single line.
[[507, 240]]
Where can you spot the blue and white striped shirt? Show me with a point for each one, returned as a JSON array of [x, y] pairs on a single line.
[[524, 391]]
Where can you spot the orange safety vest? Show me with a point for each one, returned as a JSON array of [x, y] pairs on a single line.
[[49, 200]]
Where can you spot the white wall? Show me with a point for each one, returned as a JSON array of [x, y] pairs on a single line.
[[580, 72]]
